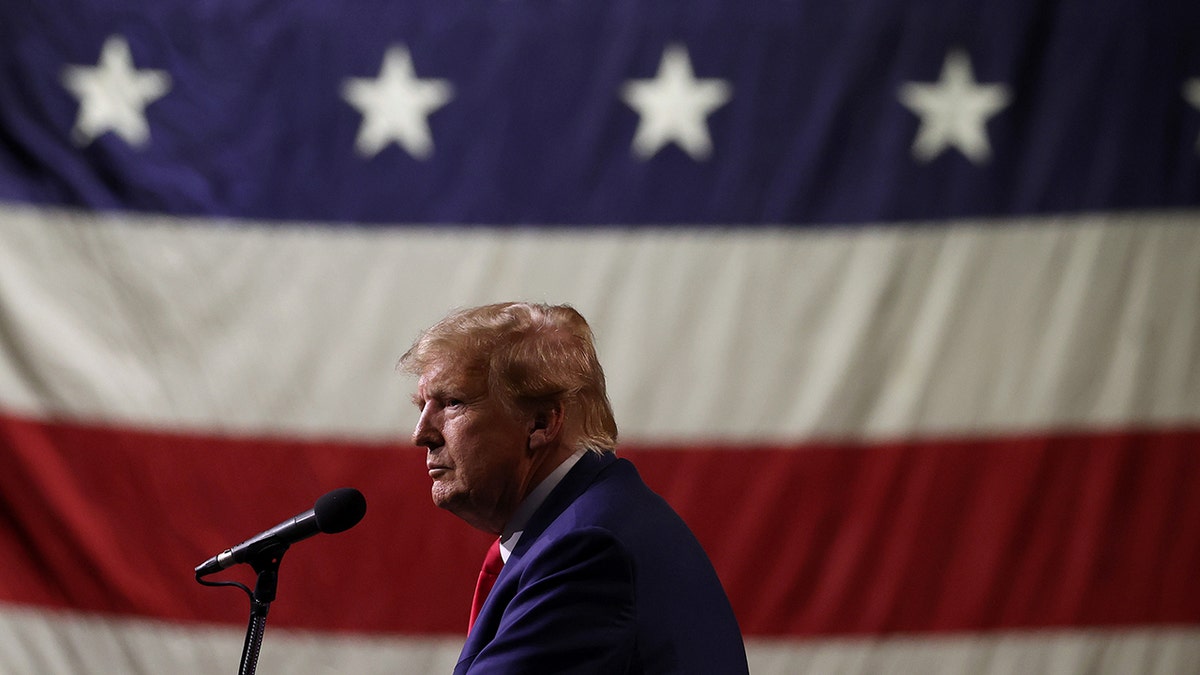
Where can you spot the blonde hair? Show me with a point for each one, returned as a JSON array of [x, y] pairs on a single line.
[[531, 355]]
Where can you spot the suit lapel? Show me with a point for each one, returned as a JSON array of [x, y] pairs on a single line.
[[573, 484]]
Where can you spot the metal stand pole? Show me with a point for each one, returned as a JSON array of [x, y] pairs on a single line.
[[254, 637], [267, 566]]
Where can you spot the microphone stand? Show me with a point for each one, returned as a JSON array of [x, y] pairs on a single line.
[[266, 564], [267, 567]]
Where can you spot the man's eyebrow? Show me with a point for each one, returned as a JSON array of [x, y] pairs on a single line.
[[433, 392]]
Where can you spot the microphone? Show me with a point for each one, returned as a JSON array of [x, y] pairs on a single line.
[[334, 512]]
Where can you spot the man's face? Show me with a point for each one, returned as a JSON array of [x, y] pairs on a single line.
[[477, 452]]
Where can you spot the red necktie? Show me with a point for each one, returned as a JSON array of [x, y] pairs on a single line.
[[492, 564]]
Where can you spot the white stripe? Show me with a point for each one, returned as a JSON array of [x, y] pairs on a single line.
[[39, 642], [1095, 652], [47, 643], [1088, 321]]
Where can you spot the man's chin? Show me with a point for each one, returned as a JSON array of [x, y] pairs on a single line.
[[463, 511], [444, 497]]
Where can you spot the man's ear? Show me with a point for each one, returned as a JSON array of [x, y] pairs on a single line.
[[547, 425]]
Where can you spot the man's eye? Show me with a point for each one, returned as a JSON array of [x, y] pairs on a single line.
[[453, 403]]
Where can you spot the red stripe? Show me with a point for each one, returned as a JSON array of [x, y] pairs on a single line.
[[1083, 529]]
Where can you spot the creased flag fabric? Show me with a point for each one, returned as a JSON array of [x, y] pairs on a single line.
[[898, 301]]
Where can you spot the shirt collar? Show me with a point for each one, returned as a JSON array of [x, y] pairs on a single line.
[[520, 517]]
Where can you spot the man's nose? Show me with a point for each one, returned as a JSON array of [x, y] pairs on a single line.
[[426, 433]]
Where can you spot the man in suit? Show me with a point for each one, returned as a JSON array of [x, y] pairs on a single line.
[[599, 574]]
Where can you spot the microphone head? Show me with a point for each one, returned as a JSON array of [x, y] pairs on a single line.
[[339, 510]]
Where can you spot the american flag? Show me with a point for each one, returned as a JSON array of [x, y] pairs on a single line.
[[899, 304]]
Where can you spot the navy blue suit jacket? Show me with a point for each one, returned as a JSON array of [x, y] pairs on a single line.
[[606, 578]]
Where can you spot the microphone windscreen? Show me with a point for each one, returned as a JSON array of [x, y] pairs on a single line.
[[339, 510]]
